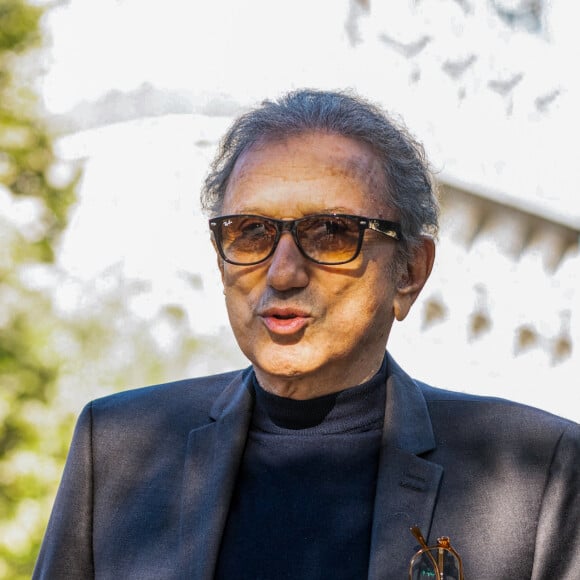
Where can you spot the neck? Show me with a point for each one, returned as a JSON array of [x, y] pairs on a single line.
[[321, 382]]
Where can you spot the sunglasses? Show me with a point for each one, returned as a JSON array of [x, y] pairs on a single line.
[[440, 562], [330, 239]]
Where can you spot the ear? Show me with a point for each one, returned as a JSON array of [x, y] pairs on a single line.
[[412, 279]]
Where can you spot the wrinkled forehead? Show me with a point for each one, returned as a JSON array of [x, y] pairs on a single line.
[[365, 167], [334, 154]]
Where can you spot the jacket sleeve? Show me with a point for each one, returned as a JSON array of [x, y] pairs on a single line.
[[66, 551], [557, 553]]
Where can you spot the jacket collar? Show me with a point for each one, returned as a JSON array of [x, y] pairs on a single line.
[[407, 484], [407, 421], [213, 456]]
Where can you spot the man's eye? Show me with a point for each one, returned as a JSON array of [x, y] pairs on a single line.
[[335, 227], [329, 228], [253, 229]]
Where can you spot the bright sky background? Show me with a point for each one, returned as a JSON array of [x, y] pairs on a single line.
[[253, 48], [141, 182]]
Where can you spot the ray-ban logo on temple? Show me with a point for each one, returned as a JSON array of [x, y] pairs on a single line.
[[328, 239]]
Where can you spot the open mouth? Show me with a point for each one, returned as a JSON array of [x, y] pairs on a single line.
[[280, 321]]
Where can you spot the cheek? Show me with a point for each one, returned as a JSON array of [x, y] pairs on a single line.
[[373, 301], [241, 297], [236, 301], [362, 303]]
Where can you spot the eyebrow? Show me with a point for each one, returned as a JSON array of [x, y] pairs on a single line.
[[325, 210]]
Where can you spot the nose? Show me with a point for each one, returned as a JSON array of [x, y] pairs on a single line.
[[287, 268]]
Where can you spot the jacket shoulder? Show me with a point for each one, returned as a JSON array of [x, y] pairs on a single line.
[[449, 407], [190, 398]]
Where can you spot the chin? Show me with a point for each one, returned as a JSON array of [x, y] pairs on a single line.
[[280, 362], [283, 369]]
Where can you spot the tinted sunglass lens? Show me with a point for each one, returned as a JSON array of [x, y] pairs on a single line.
[[329, 239], [247, 239], [434, 562]]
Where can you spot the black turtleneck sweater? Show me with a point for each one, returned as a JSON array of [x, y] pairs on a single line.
[[304, 497]]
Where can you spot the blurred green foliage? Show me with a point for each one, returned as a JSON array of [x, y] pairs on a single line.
[[59, 337], [33, 213]]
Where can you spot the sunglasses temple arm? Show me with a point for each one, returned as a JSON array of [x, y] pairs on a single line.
[[419, 537]]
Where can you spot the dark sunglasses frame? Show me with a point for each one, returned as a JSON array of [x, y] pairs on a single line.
[[387, 228]]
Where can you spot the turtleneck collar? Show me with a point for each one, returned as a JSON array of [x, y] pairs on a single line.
[[356, 409]]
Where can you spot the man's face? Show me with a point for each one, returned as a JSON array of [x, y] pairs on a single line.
[[311, 329]]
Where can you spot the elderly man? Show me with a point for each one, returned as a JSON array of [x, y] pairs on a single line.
[[315, 462]]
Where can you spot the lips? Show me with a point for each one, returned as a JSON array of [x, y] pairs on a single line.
[[285, 320]]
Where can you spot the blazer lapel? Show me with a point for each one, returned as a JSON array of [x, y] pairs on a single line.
[[407, 485], [214, 452]]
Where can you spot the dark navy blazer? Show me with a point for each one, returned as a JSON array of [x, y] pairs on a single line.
[[150, 473]]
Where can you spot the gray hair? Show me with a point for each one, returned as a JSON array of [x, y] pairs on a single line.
[[410, 188]]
